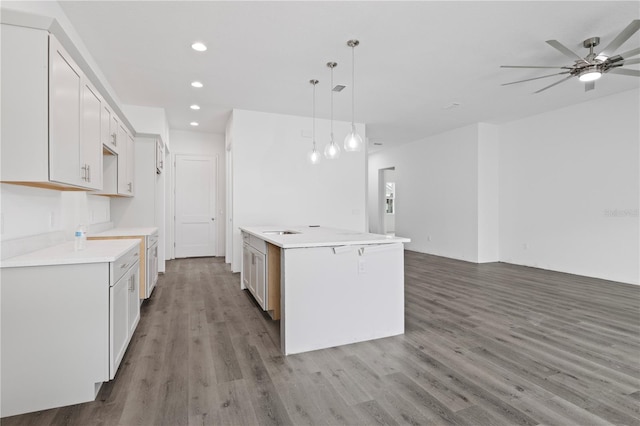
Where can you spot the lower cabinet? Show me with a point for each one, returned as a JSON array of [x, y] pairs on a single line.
[[124, 315], [254, 273], [261, 273], [65, 329]]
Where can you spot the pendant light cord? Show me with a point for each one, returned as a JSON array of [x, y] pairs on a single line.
[[353, 85], [314, 116], [331, 105]]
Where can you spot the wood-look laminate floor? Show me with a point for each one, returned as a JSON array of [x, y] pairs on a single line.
[[491, 344]]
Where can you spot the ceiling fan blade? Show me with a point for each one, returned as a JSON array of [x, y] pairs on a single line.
[[624, 71], [527, 66], [630, 53], [631, 61], [535, 78], [551, 85], [589, 86], [621, 38], [564, 49]]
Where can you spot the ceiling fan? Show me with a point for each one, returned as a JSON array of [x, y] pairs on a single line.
[[593, 66]]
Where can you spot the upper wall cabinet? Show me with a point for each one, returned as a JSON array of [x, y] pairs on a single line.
[[52, 127], [109, 125]]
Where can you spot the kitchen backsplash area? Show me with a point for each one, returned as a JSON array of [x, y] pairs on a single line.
[[34, 218]]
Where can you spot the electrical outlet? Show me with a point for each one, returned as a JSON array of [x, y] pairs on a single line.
[[428, 237], [52, 220], [525, 246], [361, 265]]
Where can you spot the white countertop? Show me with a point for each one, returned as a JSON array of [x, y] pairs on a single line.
[[318, 236], [96, 251], [127, 232]]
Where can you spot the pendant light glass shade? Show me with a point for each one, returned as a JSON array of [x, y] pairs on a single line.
[[332, 150], [314, 156], [353, 141]]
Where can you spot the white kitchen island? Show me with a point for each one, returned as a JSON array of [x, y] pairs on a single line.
[[336, 286]]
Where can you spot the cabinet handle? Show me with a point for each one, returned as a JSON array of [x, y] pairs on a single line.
[[88, 172], [83, 173], [114, 139], [129, 184]]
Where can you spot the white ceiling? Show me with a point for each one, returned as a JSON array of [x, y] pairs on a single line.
[[414, 59]]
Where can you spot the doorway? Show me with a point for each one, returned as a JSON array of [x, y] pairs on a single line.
[[195, 206], [387, 204]]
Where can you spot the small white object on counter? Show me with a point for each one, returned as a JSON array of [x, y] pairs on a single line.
[[65, 254]]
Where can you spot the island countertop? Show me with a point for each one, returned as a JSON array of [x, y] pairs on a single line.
[[317, 236]]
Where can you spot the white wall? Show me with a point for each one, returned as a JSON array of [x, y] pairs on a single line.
[[185, 142], [569, 189], [149, 120], [488, 193], [436, 192], [274, 184], [34, 218], [558, 191]]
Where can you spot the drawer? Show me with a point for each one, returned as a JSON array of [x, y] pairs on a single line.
[[124, 263], [151, 240], [258, 244]]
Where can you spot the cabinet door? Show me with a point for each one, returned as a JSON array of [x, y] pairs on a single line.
[[108, 128], [130, 164], [91, 135], [118, 323], [246, 265], [260, 277], [134, 300], [65, 97], [123, 158]]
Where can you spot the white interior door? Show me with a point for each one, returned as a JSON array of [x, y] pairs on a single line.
[[195, 206]]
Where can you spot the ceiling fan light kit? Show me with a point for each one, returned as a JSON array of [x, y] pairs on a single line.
[[593, 66]]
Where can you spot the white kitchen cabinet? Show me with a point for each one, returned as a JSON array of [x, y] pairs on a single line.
[[66, 165], [109, 125], [67, 318], [148, 273], [148, 207], [125, 312], [126, 159], [51, 123], [254, 269], [247, 262], [91, 146], [259, 278]]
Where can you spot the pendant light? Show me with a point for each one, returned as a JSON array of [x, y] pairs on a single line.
[[353, 141], [332, 150], [314, 155]]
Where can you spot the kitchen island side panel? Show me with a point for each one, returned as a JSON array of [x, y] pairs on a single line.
[[334, 296]]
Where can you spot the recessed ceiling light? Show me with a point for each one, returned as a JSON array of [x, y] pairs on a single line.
[[194, 106], [200, 47], [194, 123], [197, 84]]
